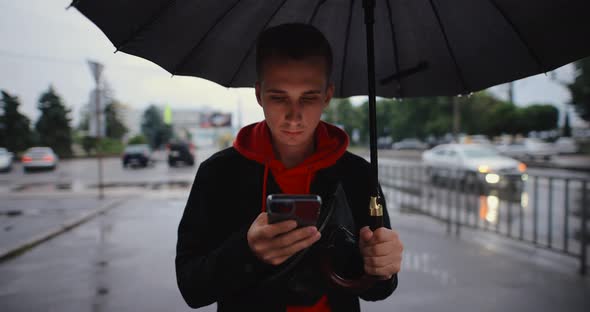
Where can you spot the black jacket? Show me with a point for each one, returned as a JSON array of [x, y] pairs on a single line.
[[213, 260]]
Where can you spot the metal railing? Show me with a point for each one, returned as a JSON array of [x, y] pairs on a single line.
[[547, 211]]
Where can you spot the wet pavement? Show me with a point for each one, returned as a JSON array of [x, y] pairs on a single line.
[[120, 261], [28, 220], [124, 261]]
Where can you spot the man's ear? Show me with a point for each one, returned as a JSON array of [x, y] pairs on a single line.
[[329, 94], [257, 92]]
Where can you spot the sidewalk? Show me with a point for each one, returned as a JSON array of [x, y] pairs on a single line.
[[480, 272], [124, 261]]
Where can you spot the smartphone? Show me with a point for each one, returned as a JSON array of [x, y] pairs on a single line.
[[303, 208]]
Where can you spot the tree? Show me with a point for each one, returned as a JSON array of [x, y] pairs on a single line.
[[341, 112], [53, 125], [540, 117], [115, 128], [15, 128], [154, 128], [580, 88]]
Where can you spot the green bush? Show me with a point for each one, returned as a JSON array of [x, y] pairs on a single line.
[[108, 146], [138, 139]]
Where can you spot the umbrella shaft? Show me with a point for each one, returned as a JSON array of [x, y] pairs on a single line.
[[369, 7]]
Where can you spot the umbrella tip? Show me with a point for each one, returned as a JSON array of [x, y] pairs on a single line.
[[116, 50], [73, 4]]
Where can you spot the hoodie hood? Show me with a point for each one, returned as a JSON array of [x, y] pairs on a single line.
[[254, 142]]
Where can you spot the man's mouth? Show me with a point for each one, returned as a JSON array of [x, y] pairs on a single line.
[[292, 132]]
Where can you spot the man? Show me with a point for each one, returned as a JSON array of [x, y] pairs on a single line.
[[227, 250]]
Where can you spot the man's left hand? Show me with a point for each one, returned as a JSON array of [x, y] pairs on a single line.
[[381, 250]]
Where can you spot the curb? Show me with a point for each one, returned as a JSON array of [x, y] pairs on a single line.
[[11, 252]]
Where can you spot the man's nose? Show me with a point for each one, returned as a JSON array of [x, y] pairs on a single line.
[[295, 111]]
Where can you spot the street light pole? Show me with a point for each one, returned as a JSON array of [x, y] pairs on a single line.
[[97, 69]]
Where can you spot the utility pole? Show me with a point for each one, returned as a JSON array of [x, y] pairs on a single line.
[[97, 69]]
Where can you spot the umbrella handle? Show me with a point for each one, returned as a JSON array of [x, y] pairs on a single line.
[[365, 281]]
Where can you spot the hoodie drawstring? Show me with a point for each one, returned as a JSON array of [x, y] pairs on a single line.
[[309, 177], [264, 187]]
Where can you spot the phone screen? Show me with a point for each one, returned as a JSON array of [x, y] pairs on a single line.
[[304, 209]]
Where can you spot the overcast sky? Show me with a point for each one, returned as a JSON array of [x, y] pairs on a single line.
[[43, 44]]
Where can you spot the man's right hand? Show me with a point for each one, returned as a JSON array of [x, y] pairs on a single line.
[[275, 243]]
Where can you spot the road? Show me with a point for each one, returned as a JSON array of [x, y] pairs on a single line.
[[76, 175]]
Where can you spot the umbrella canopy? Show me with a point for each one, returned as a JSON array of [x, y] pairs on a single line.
[[422, 48]]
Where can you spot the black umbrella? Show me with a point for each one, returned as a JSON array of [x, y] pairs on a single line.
[[421, 47]]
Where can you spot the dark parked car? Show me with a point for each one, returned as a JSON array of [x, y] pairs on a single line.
[[137, 155], [181, 152]]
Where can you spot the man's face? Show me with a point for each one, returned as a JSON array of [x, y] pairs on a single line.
[[293, 95]]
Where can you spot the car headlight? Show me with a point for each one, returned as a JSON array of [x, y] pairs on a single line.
[[522, 167], [483, 169], [492, 178]]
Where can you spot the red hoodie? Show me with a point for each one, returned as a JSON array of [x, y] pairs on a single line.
[[254, 142]]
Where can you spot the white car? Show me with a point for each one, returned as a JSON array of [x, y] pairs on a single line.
[[517, 150], [475, 139], [473, 161], [529, 148], [5, 160], [39, 158], [565, 145], [537, 148]]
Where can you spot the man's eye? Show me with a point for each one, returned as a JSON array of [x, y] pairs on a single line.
[[309, 99], [277, 98]]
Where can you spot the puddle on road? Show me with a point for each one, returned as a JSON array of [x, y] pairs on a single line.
[[158, 185], [77, 186], [45, 186], [11, 213]]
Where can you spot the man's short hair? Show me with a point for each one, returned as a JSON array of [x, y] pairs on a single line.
[[294, 41]]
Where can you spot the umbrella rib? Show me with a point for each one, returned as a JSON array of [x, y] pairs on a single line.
[[315, 11], [395, 51], [519, 35], [194, 48], [243, 61], [159, 13], [448, 44], [351, 6]]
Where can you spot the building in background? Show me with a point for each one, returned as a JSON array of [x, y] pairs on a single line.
[[203, 127], [131, 118]]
